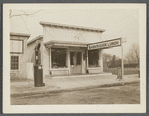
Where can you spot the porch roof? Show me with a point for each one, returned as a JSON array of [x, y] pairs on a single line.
[[35, 39], [20, 34], [66, 43]]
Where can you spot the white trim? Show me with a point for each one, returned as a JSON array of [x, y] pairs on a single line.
[[66, 42], [58, 69], [70, 45], [94, 68]]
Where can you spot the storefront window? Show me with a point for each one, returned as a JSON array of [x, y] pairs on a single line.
[[93, 58], [58, 56]]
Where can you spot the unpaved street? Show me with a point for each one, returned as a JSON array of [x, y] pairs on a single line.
[[126, 94]]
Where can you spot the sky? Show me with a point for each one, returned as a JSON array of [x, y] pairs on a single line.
[[117, 23]]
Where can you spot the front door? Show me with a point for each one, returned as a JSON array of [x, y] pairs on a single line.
[[75, 62]]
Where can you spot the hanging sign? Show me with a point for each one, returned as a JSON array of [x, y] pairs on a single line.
[[105, 44]]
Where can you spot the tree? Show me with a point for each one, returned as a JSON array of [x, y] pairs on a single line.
[[106, 59], [113, 61], [110, 60], [118, 62], [133, 56]]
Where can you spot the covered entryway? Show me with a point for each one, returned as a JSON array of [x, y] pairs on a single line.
[[76, 62]]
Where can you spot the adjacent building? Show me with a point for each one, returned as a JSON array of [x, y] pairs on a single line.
[[18, 58]]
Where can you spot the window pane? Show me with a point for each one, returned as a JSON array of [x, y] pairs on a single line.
[[14, 62], [58, 57], [93, 58]]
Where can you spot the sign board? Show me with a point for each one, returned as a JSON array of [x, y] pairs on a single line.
[[105, 44], [16, 46]]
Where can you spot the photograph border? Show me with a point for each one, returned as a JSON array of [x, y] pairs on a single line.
[[7, 108]]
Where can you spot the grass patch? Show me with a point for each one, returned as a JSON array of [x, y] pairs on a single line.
[[127, 71]]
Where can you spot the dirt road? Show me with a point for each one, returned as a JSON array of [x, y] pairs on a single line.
[[126, 94]]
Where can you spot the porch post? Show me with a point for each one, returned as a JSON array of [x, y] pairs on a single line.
[[82, 60], [87, 58], [68, 59], [46, 61], [100, 62], [50, 58]]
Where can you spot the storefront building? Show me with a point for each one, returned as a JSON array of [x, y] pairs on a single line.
[[64, 49]]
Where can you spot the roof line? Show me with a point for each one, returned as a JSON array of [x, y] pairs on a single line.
[[72, 26], [36, 38], [20, 34]]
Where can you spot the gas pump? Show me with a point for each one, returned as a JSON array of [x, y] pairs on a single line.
[[38, 70]]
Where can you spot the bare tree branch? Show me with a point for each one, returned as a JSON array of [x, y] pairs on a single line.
[[134, 54], [26, 14]]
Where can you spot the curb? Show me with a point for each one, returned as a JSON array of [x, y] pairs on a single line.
[[71, 89]]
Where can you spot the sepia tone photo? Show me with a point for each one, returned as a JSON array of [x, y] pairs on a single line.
[[78, 55]]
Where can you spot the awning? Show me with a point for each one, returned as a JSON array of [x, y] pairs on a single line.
[[65, 43]]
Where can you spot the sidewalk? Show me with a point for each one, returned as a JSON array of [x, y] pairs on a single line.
[[69, 84]]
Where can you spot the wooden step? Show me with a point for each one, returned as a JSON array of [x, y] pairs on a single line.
[[75, 75]]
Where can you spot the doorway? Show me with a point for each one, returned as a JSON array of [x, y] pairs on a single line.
[[75, 62]]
